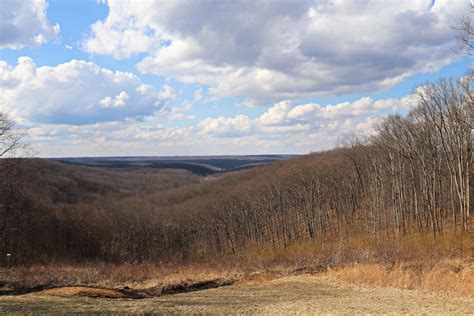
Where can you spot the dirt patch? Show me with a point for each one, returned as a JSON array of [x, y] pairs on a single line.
[[180, 288], [197, 286], [81, 291], [97, 292]]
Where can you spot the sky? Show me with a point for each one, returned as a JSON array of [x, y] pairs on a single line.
[[213, 77]]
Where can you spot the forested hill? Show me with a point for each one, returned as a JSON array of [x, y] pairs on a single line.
[[199, 165], [414, 176], [57, 182]]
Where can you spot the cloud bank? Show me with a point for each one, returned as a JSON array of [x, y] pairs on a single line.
[[267, 51], [284, 127], [76, 92]]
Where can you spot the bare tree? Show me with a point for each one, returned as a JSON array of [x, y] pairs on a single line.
[[466, 33], [9, 138], [9, 144]]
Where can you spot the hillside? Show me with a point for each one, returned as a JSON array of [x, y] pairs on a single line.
[[199, 165], [144, 214], [66, 183]]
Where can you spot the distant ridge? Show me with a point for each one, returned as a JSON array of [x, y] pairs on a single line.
[[200, 165]]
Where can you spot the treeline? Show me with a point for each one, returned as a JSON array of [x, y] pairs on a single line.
[[413, 176]]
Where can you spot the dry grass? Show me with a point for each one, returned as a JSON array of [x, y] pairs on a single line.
[[413, 262], [116, 276], [303, 294], [317, 256], [453, 276]]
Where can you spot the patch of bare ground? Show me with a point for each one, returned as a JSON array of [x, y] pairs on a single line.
[[125, 292], [146, 278], [301, 294], [73, 291]]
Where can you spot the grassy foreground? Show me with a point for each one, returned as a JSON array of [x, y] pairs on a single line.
[[416, 274], [307, 294], [444, 264]]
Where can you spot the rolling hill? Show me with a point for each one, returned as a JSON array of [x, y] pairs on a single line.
[[199, 165]]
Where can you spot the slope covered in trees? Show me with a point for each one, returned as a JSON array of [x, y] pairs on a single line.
[[413, 177]]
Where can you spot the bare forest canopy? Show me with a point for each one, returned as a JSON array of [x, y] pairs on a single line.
[[414, 176]]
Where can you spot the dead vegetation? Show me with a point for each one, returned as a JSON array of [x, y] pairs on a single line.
[[302, 294], [135, 280], [455, 277], [358, 260]]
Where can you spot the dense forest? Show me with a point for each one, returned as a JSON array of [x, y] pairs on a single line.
[[413, 176]]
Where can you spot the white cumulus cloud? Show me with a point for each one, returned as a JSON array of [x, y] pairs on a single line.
[[118, 101], [23, 23], [280, 50], [76, 92], [284, 127]]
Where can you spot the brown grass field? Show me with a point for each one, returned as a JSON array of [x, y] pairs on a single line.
[[300, 294], [446, 287]]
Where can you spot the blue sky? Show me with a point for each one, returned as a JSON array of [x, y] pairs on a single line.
[[101, 78]]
